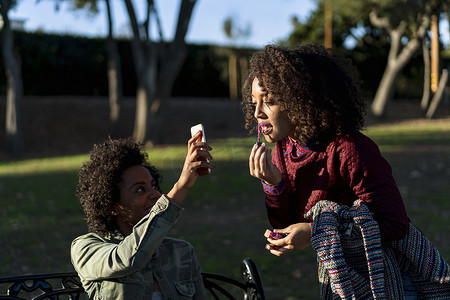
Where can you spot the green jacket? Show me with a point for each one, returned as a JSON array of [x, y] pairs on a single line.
[[118, 267]]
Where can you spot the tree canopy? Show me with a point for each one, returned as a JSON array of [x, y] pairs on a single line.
[[388, 29]]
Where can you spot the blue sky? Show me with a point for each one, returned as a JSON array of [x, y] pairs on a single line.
[[269, 19]]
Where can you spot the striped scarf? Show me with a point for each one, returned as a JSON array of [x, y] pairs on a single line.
[[354, 264]]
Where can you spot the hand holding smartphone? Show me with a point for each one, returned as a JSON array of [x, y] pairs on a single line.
[[194, 130], [197, 128]]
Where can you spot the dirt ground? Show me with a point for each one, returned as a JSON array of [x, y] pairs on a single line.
[[62, 125]]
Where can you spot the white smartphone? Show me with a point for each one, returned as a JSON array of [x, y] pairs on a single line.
[[197, 128], [194, 130]]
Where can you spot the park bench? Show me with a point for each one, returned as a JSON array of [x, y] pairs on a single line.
[[67, 285]]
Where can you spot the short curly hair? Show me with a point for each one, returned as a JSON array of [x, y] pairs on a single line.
[[315, 88], [99, 178]]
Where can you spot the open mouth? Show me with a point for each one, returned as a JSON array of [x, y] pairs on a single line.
[[265, 129]]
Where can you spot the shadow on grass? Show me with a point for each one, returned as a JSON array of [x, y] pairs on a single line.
[[40, 217]]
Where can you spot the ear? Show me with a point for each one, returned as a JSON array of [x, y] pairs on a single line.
[[114, 210]]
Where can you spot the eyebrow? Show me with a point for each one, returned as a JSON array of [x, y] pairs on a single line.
[[135, 184], [264, 92], [152, 183]]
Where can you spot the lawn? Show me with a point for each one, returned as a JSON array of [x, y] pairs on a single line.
[[224, 214]]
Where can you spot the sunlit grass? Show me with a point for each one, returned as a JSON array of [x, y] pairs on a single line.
[[232, 149], [408, 134], [237, 149], [41, 165]]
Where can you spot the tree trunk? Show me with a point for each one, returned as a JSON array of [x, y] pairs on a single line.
[[114, 85], [146, 63], [14, 88], [397, 59], [144, 58], [232, 75], [434, 52], [243, 65], [170, 67], [385, 89], [426, 76], [114, 77], [152, 94], [140, 122], [171, 62], [438, 95], [394, 66]]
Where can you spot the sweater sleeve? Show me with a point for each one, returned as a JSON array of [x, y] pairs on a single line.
[[277, 198], [370, 177]]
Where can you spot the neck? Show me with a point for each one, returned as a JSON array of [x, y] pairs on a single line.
[[124, 228]]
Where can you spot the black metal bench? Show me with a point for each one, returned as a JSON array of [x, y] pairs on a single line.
[[68, 286]]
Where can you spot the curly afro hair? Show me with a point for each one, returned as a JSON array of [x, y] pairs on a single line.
[[316, 89], [99, 178]]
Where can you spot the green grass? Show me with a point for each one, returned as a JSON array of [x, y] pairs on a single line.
[[224, 214], [41, 165], [410, 134]]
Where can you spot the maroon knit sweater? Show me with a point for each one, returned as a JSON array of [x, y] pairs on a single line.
[[350, 168]]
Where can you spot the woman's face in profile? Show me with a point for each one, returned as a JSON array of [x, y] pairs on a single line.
[[274, 123], [138, 194]]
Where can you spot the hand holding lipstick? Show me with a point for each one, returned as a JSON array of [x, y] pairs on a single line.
[[294, 237], [261, 166]]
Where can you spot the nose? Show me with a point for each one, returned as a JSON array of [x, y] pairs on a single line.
[[154, 195], [258, 111]]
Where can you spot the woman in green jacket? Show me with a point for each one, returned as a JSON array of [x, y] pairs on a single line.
[[126, 254]]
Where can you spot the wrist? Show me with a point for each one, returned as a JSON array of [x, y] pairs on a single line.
[[178, 193], [273, 180], [270, 183], [274, 189]]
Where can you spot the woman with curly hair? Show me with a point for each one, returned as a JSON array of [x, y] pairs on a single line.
[[126, 254], [306, 101]]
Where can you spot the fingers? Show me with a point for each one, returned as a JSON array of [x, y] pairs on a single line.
[[278, 239], [279, 243], [251, 160], [202, 148], [200, 153], [276, 250], [199, 159], [274, 235], [198, 156], [259, 161], [277, 246], [298, 237], [255, 160], [284, 231], [195, 142], [196, 137]]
